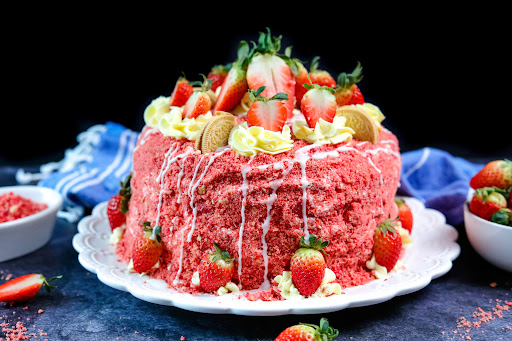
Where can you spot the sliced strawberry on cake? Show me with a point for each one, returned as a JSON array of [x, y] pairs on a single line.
[[347, 91], [182, 91], [217, 74], [301, 77], [234, 86], [268, 113], [308, 265], [320, 77], [270, 70], [199, 103], [318, 103]]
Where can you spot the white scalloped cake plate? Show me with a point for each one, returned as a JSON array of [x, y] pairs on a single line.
[[430, 256]]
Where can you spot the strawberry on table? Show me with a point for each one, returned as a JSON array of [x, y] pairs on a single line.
[[486, 201], [24, 288], [268, 69], [234, 86], [147, 249], [268, 113], [118, 204], [199, 103], [404, 214], [215, 270], [318, 102], [495, 173], [320, 77], [182, 91], [308, 265], [387, 244], [309, 332], [217, 74], [347, 91]]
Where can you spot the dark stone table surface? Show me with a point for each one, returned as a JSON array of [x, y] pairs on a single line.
[[83, 308]]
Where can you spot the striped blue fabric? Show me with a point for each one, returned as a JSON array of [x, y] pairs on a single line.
[[98, 177]]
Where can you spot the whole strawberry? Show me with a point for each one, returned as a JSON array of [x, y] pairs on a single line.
[[404, 214], [320, 77], [308, 265], [147, 249], [118, 205], [503, 216], [496, 173], [268, 113], [387, 244], [347, 91], [309, 332], [215, 270], [181, 92], [318, 103], [217, 74], [24, 288], [301, 77], [486, 201]]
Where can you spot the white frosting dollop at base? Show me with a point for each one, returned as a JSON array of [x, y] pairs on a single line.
[[290, 292]]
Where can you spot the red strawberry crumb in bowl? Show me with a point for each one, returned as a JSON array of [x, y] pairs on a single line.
[[491, 240], [27, 219]]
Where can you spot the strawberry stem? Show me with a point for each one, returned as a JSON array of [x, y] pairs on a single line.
[[219, 254], [47, 282], [324, 332], [256, 95], [315, 243], [126, 193], [345, 80]]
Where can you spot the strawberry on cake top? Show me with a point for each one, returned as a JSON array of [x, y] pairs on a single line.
[[286, 176]]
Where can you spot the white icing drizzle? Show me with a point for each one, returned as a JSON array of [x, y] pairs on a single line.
[[245, 169], [193, 191]]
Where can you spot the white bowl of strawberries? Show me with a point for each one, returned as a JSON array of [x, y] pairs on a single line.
[[488, 213]]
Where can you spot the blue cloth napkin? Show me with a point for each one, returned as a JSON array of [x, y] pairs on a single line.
[[92, 172], [439, 179]]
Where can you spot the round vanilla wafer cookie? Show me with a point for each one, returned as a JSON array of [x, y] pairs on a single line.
[[364, 126], [215, 133]]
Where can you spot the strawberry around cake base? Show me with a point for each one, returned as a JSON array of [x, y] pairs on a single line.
[[258, 208]]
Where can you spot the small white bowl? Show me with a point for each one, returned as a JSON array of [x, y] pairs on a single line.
[[25, 235], [492, 241]]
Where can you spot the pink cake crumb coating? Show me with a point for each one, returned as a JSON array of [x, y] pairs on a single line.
[[344, 190]]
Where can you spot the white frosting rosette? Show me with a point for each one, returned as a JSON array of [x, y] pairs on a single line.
[[249, 141]]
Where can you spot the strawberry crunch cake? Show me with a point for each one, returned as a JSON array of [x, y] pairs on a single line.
[[259, 178]]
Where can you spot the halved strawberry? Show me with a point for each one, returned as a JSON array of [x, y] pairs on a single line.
[[215, 270], [217, 74], [308, 265], [320, 77], [200, 102], [268, 113], [24, 288], [387, 244], [182, 91], [234, 86], [268, 69], [147, 249], [347, 91], [318, 102]]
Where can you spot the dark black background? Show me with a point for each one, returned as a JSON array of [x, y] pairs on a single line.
[[440, 77]]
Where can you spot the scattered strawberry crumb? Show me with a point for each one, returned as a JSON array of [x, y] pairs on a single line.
[[493, 284], [40, 311]]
